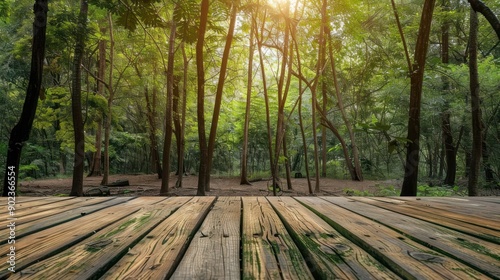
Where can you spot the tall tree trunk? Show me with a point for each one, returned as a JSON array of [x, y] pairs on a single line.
[[301, 121], [109, 113], [409, 187], [76, 102], [274, 176], [168, 111], [475, 107], [200, 103], [95, 169], [218, 93], [449, 148], [244, 155], [355, 171], [21, 131], [282, 96], [178, 184]]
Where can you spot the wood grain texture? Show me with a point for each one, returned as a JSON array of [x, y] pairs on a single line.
[[43, 244], [100, 251], [215, 249], [157, 255], [56, 218], [475, 252], [464, 223], [329, 254], [268, 250], [407, 258]]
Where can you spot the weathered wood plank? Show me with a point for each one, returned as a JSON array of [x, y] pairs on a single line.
[[329, 253], [484, 214], [406, 257], [440, 217], [30, 227], [157, 255], [94, 255], [477, 253], [26, 215], [43, 244], [492, 199], [268, 250], [214, 252], [29, 202]]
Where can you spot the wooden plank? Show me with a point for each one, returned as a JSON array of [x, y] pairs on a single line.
[[483, 213], [157, 255], [28, 202], [441, 217], [46, 243], [94, 255], [268, 250], [492, 199], [329, 254], [56, 219], [214, 252], [477, 253], [33, 213], [404, 256]]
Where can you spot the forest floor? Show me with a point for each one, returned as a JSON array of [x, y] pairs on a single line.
[[149, 185]]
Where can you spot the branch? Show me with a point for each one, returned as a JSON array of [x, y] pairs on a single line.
[[95, 77], [481, 8]]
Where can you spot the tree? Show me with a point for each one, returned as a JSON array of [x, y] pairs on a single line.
[[475, 102], [244, 153], [200, 104], [168, 111], [218, 94], [21, 131], [76, 102], [417, 69]]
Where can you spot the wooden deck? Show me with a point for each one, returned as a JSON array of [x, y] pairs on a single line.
[[252, 238]]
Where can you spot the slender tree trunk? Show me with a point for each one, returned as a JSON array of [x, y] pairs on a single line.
[[218, 94], [203, 168], [95, 169], [76, 102], [268, 114], [356, 173], [301, 121], [178, 184], [475, 107], [111, 92], [244, 159], [168, 111], [409, 187], [21, 131]]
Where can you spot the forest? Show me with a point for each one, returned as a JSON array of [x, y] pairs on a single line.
[[349, 89]]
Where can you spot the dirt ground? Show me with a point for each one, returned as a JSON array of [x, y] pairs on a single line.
[[149, 185]]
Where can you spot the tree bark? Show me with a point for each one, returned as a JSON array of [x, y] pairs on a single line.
[[178, 184], [21, 131], [244, 155], [200, 103], [475, 107], [164, 190], [76, 103], [409, 187], [111, 92], [95, 169], [218, 93]]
